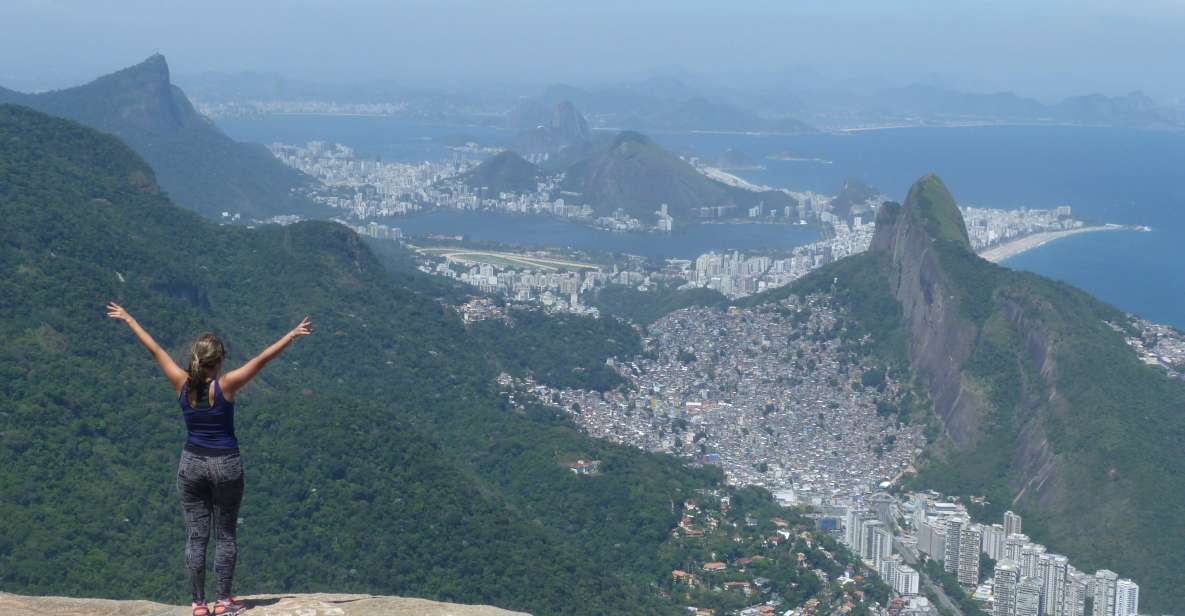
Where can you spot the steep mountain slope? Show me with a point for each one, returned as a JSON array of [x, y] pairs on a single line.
[[1041, 405], [197, 164], [632, 172], [561, 128], [379, 456], [504, 172], [851, 199]]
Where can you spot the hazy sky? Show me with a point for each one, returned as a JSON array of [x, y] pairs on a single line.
[[1043, 48]]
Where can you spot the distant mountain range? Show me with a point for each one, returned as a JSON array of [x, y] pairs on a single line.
[[672, 105], [196, 163], [923, 104], [667, 106], [679, 102], [608, 171]]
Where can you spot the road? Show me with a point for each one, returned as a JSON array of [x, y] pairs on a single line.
[[910, 556]]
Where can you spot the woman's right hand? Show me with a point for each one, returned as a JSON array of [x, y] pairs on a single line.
[[303, 329]]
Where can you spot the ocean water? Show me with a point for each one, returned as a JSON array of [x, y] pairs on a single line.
[[1106, 174]]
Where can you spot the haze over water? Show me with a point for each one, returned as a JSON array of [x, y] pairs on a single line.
[[1106, 174]]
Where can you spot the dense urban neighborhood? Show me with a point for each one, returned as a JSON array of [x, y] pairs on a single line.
[[774, 395]]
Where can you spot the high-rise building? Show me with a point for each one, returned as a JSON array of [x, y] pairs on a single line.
[[1007, 577], [1127, 598], [1105, 582], [993, 541], [1030, 556], [950, 562], [1013, 544], [888, 569], [969, 541], [1012, 524], [906, 580], [1028, 597], [1075, 601], [962, 550], [1051, 568], [880, 543], [854, 527], [868, 527], [880, 503]]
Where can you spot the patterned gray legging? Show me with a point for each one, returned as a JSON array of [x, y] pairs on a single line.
[[211, 488]]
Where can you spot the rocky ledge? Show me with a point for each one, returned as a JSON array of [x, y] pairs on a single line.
[[259, 605]]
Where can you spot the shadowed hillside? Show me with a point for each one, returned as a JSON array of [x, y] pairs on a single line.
[[196, 163], [632, 172]]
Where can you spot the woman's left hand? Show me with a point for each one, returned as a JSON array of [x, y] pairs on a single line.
[[115, 311], [304, 328]]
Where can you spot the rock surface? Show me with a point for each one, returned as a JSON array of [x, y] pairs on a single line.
[[259, 605]]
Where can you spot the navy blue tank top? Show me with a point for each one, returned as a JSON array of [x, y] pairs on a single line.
[[211, 430]]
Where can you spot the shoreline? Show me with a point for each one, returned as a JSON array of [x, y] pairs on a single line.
[[1007, 250], [733, 180]]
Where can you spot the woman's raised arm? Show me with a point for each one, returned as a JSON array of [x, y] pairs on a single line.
[[172, 371], [237, 378]]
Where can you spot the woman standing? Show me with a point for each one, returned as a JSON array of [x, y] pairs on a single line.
[[210, 476]]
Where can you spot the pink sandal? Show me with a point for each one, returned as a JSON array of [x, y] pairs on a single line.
[[228, 607]]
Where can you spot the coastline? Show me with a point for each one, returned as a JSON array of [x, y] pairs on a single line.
[[732, 179], [1007, 250]]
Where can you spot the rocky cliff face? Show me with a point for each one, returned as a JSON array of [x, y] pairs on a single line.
[[259, 605], [569, 124], [1043, 408], [941, 336], [962, 312]]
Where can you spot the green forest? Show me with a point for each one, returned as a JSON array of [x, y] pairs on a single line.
[[646, 307], [378, 456]]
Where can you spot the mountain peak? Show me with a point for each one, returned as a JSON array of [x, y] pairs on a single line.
[[932, 201], [154, 64], [568, 122], [930, 206], [627, 137], [153, 71], [505, 171]]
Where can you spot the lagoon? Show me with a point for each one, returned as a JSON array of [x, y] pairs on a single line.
[[1108, 175]]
